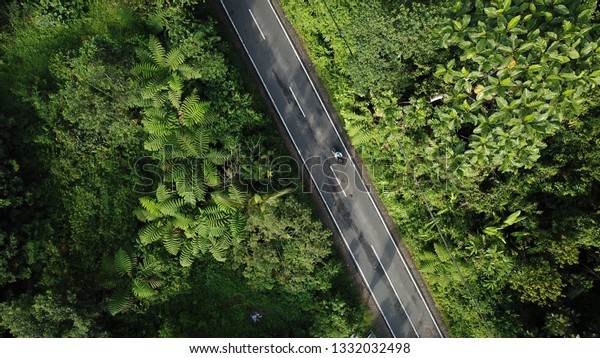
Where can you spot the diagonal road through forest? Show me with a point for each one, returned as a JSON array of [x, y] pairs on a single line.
[[341, 187]]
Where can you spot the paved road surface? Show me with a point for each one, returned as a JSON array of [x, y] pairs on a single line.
[[341, 188]]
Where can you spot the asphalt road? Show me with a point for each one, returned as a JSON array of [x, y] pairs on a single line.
[[342, 189]]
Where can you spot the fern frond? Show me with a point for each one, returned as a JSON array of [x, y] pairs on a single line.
[[151, 205], [238, 194], [157, 129], [172, 206], [201, 244], [201, 141], [143, 54], [158, 114], [172, 243], [194, 112], [149, 266], [175, 91], [120, 301], [155, 143], [189, 197], [441, 252], [123, 263], [186, 143], [151, 89], [199, 189], [358, 133], [141, 289], [163, 194], [218, 157], [144, 215], [156, 21], [220, 230], [145, 70], [158, 52], [211, 175], [186, 258], [150, 233], [218, 251], [225, 203], [237, 226], [200, 229], [183, 222], [174, 59], [155, 283], [188, 72], [214, 216]]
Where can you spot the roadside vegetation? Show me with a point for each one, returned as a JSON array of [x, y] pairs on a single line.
[[139, 185], [507, 156]]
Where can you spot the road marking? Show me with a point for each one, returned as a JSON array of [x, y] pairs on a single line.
[[360, 177], [298, 103], [310, 173], [256, 22], [339, 183], [395, 292]]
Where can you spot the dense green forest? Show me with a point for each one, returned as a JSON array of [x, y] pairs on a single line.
[[506, 157], [138, 194]]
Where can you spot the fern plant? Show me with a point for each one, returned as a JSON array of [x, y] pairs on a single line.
[[128, 280], [163, 73]]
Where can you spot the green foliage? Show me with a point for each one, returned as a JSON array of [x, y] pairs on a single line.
[[96, 87], [515, 81], [285, 247], [506, 157], [47, 315]]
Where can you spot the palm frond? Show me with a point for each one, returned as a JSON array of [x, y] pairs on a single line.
[[155, 282], [272, 199]]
